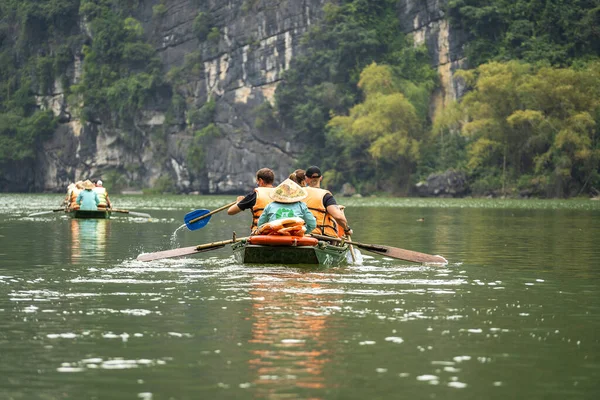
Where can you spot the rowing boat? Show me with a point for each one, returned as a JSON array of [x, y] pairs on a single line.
[[89, 214], [288, 250]]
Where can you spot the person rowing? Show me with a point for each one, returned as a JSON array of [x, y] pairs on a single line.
[[323, 206], [102, 195], [258, 199]]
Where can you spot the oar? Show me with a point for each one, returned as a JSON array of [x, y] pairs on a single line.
[[394, 252], [352, 251], [199, 218], [136, 214], [46, 212], [185, 251]]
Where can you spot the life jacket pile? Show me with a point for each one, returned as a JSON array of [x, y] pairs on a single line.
[[293, 226]]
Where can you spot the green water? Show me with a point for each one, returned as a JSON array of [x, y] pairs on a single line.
[[515, 313]]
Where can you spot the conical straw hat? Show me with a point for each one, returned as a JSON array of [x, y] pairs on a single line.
[[288, 191], [88, 185]]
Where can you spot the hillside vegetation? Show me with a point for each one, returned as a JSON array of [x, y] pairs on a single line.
[[358, 97]]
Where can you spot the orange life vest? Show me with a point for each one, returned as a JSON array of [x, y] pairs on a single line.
[[273, 240], [74, 193], [326, 225], [102, 195], [262, 200]]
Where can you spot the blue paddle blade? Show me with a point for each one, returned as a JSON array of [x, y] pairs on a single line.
[[192, 222]]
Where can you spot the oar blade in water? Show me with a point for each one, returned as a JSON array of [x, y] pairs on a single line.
[[193, 220], [136, 214], [139, 214], [406, 255], [45, 212], [393, 252], [183, 251], [186, 251]]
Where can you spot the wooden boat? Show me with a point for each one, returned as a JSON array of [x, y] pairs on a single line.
[[263, 249], [89, 214]]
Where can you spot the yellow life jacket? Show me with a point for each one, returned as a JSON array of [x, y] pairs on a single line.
[[326, 225], [262, 200], [73, 204], [102, 194]]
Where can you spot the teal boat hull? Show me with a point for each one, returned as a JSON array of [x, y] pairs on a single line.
[[89, 214], [323, 254]]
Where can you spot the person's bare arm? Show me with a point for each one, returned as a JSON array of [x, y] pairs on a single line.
[[339, 217], [234, 209]]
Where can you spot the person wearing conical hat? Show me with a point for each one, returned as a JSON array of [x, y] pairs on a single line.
[[88, 199], [287, 202]]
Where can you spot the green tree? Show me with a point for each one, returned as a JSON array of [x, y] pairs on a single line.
[[384, 132], [554, 31], [541, 122], [323, 80]]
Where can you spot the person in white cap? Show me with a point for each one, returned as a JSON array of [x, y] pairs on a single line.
[[102, 195], [287, 203]]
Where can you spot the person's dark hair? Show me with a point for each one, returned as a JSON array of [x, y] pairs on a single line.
[[313, 172], [266, 174], [298, 176]]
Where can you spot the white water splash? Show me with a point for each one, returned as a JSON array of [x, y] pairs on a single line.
[[174, 242]]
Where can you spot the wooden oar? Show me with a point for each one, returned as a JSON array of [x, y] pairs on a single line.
[[46, 212], [186, 251], [136, 214], [352, 250], [394, 252], [199, 218]]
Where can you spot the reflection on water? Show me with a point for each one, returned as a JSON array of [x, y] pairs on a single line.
[[289, 332], [88, 238]]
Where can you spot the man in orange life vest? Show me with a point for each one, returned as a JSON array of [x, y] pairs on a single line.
[[323, 206], [102, 195], [258, 199]]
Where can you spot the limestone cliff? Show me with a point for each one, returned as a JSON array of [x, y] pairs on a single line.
[[241, 68]]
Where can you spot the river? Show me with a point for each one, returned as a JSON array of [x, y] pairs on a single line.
[[514, 314]]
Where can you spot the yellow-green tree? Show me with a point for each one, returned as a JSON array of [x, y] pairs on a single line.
[[541, 123], [384, 131]]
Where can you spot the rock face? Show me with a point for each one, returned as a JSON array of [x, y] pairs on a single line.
[[426, 21], [257, 42], [447, 184]]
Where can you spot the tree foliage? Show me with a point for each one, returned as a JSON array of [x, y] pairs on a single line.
[[38, 42], [120, 71], [383, 132], [323, 81], [539, 122], [554, 31]]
